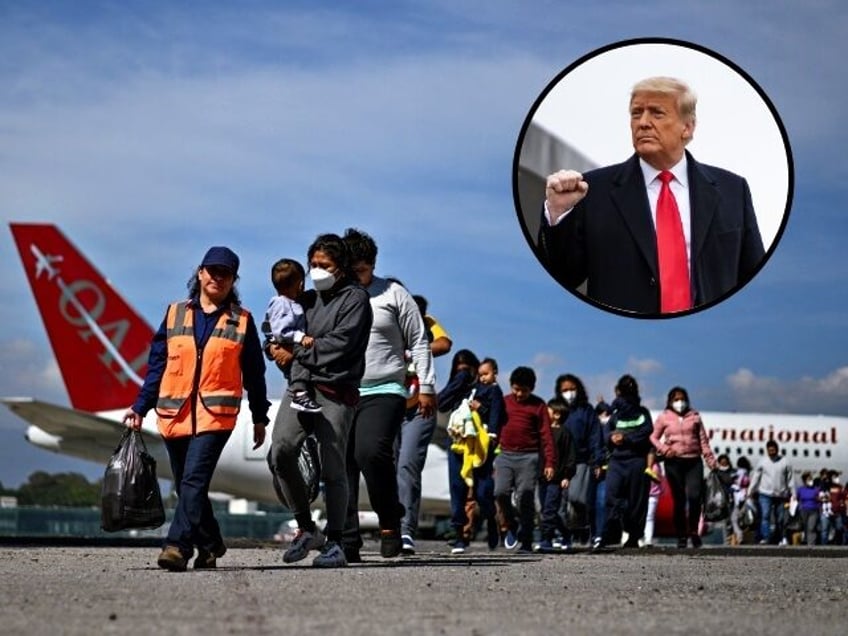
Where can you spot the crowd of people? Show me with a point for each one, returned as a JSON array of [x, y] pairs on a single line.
[[357, 352]]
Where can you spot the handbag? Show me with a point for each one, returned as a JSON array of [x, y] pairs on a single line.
[[129, 496]]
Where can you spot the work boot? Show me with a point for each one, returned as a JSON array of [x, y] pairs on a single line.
[[172, 559], [206, 559]]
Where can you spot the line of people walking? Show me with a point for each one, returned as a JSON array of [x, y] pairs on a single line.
[[357, 352]]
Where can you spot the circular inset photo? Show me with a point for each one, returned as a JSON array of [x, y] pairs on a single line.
[[653, 178]]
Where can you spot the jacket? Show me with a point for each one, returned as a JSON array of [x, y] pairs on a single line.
[[682, 436], [609, 240]]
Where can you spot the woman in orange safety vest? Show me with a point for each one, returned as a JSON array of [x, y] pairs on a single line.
[[204, 355]]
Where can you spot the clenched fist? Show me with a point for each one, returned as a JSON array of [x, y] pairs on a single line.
[[564, 190]]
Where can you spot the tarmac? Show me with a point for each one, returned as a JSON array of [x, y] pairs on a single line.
[[72, 587]]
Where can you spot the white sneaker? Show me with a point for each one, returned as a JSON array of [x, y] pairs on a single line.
[[408, 545]]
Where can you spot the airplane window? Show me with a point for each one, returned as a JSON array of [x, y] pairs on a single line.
[[816, 452], [739, 451], [794, 452], [761, 451], [827, 453], [806, 452]]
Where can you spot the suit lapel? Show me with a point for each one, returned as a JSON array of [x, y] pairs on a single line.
[[630, 197], [704, 200]]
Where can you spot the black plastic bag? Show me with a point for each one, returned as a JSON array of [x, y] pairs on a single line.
[[717, 501], [309, 464], [130, 496]]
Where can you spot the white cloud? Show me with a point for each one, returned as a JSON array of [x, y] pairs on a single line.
[[643, 366], [826, 395]]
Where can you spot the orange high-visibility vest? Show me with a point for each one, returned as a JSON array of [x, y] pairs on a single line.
[[211, 375]]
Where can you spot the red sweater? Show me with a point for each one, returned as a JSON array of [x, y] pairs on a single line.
[[528, 428]]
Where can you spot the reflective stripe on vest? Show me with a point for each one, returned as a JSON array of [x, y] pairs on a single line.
[[217, 384]]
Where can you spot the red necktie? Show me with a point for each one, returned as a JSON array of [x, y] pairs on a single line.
[[675, 294]]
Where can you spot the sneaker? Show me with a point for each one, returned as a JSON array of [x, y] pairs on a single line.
[[207, 559], [633, 543], [782, 542], [407, 545], [598, 544], [172, 559], [332, 556], [303, 542], [390, 543], [696, 541], [510, 540], [302, 402], [565, 546], [459, 547], [556, 544], [544, 545], [525, 548], [653, 475], [352, 554], [681, 543]]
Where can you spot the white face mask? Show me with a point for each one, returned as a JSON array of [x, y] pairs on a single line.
[[322, 280], [679, 406], [604, 419], [569, 396], [809, 482]]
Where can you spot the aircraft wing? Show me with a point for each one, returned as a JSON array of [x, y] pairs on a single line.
[[73, 432]]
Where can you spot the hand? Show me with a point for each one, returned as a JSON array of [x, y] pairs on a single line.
[[426, 404], [307, 341], [617, 438], [564, 483], [564, 190], [475, 405], [258, 435], [597, 472], [132, 420], [548, 473], [281, 355]]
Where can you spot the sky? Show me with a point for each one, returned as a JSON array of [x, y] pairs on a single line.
[[148, 135]]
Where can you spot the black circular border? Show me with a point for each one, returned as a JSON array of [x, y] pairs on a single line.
[[701, 49]]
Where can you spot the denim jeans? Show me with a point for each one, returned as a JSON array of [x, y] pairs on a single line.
[[550, 497], [193, 461], [415, 435], [600, 520], [483, 491], [771, 505]]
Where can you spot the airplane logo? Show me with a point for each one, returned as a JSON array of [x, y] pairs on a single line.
[[44, 262]]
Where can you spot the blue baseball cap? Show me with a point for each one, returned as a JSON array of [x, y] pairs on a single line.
[[221, 257]]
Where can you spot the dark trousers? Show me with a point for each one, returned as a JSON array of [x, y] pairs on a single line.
[[626, 498], [685, 477], [482, 491], [370, 450], [550, 499], [193, 461]]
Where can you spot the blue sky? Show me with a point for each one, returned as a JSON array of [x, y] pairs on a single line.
[[149, 134]]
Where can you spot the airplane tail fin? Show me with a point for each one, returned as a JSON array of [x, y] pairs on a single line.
[[100, 343]]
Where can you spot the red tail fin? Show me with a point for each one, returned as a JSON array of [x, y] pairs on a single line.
[[100, 342]]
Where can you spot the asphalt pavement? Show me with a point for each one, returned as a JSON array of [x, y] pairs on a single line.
[[95, 589]]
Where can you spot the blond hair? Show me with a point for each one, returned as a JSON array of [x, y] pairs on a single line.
[[686, 98]]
